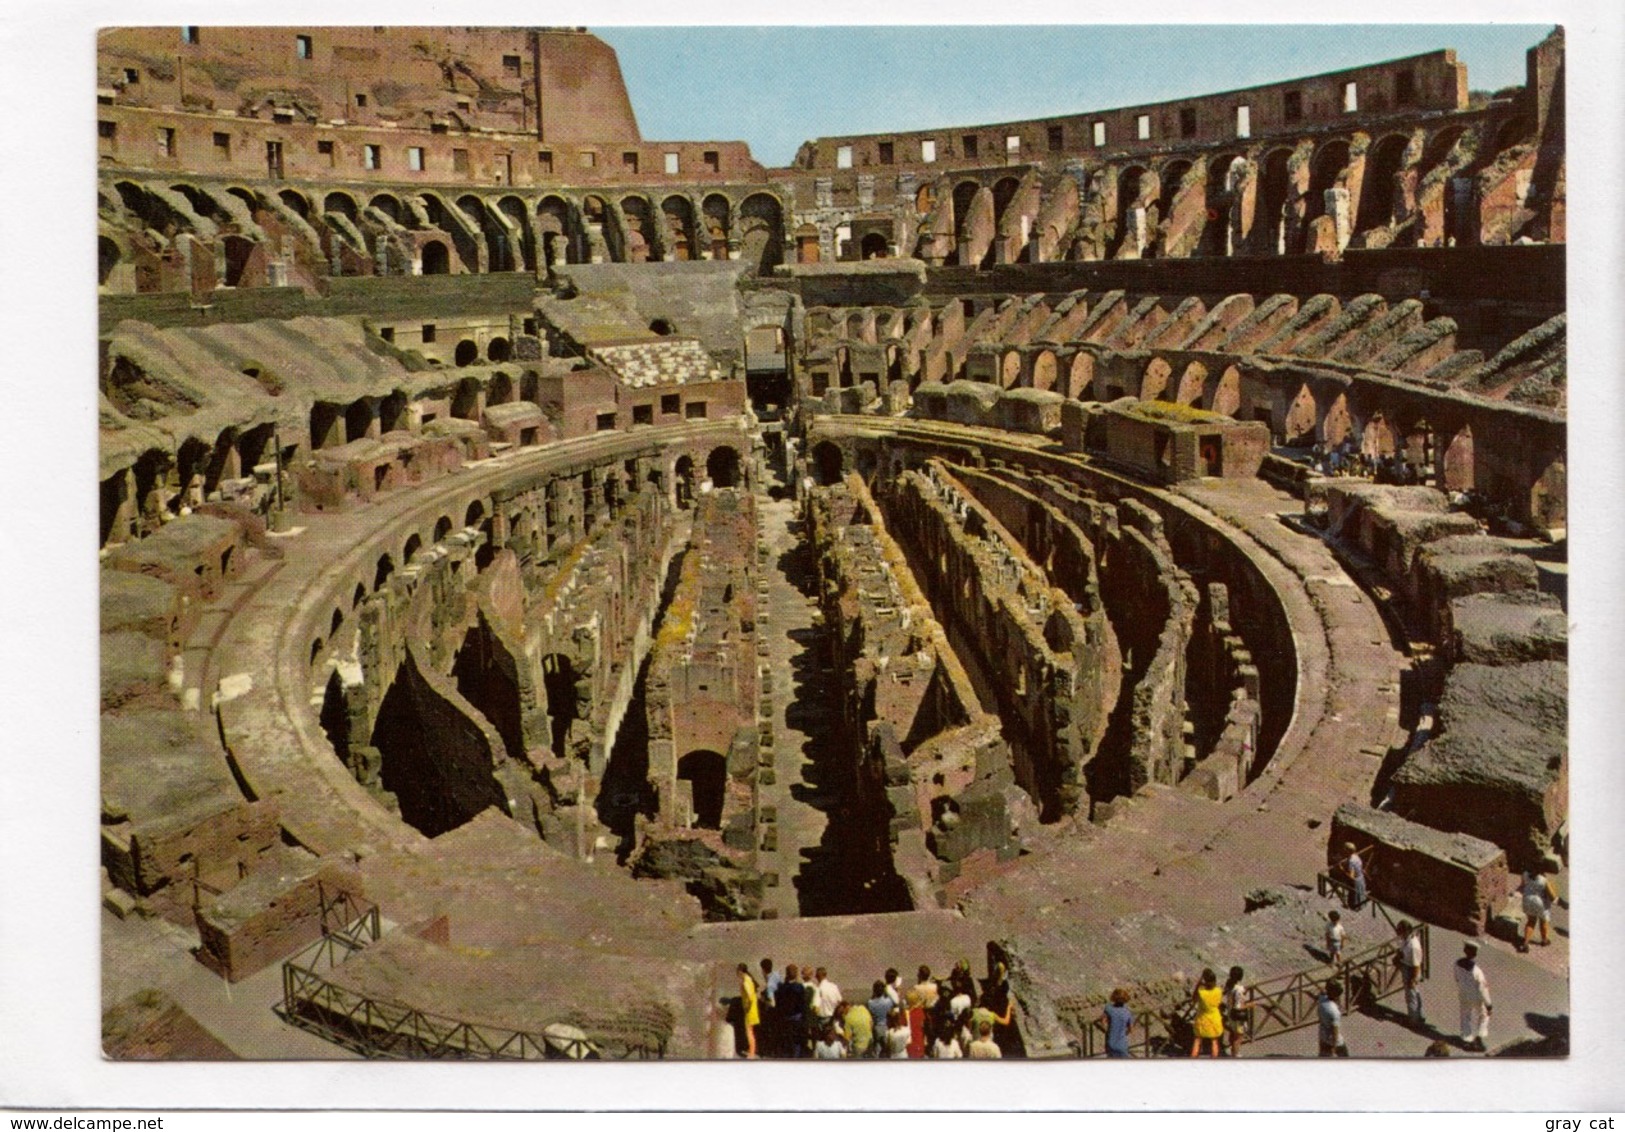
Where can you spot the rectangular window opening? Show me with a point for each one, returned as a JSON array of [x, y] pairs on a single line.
[[387, 333], [1012, 144], [673, 164], [589, 159], [970, 145], [131, 76], [166, 141], [643, 414], [1292, 106], [671, 404], [510, 63], [189, 35], [694, 410], [843, 157], [325, 149], [428, 332], [302, 46], [360, 100], [1099, 134], [459, 161], [1405, 88], [928, 151], [1351, 97], [712, 161], [1057, 139], [1142, 127], [372, 157], [1244, 121], [544, 160], [106, 130], [606, 421], [1187, 122], [629, 161], [885, 153], [222, 146], [414, 158]]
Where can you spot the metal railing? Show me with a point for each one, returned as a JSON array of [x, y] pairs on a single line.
[[1276, 1006], [381, 1028]]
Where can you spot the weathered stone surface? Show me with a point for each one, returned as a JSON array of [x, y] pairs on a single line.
[[1444, 878], [1499, 769], [1509, 628], [272, 913]]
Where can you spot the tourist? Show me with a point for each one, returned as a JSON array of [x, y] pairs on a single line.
[[894, 986], [859, 1025], [1409, 961], [1209, 1023], [770, 983], [1353, 871], [898, 1035], [1473, 991], [984, 1047], [1538, 897], [1118, 1020], [1331, 1021], [768, 1037], [1000, 1005], [914, 1014], [945, 1047], [880, 1007], [1238, 1009], [829, 1046], [792, 1012], [927, 986], [749, 1012], [1334, 936], [828, 995], [964, 990]]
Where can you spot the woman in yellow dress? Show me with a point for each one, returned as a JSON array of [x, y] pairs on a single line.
[[1209, 1021], [747, 1004]]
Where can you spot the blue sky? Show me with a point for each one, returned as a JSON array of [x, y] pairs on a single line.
[[775, 87]]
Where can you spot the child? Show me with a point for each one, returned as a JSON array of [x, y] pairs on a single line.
[[1334, 936]]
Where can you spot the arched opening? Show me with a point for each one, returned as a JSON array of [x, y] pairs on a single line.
[[1080, 383], [1379, 187], [335, 622], [107, 258], [414, 543], [761, 231], [568, 699], [1274, 193], [380, 575], [324, 417], [1457, 472], [499, 349], [1377, 437], [555, 233], [1219, 200], [1512, 132], [663, 327], [873, 246], [1132, 184], [389, 205], [514, 209], [358, 595], [1010, 369], [237, 251], [964, 197], [716, 214], [642, 243], [706, 772], [436, 258], [498, 246], [296, 201], [1325, 170], [829, 462], [683, 474], [442, 527], [1044, 370], [359, 419], [1300, 419], [475, 512], [392, 412], [1337, 424], [1192, 383], [1155, 382], [680, 235], [1227, 394], [466, 354], [343, 204], [722, 467], [1170, 179], [925, 199]]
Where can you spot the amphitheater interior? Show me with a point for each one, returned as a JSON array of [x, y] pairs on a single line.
[[543, 568]]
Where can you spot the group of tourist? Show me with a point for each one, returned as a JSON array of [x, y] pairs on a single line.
[[1347, 460], [804, 1014]]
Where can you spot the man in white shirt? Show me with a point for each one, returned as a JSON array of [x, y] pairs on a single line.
[[984, 1047], [1474, 993], [827, 996], [1410, 969]]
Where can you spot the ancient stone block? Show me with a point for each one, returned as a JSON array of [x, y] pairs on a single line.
[[1449, 879], [271, 914]]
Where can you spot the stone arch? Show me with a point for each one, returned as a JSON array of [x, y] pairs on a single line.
[[499, 349], [1133, 186], [1192, 384], [706, 772], [1155, 381], [1377, 437], [390, 205], [467, 353], [436, 258], [409, 549], [761, 231], [925, 199], [1299, 424], [683, 480], [1080, 382], [642, 238], [964, 198], [1227, 393], [1438, 147], [1336, 424], [681, 236], [297, 201], [487, 676], [498, 245], [1218, 200], [1379, 189], [1004, 191], [1326, 169], [1010, 369], [829, 462], [873, 246], [1274, 194], [442, 528], [475, 513], [1456, 463], [343, 204], [722, 467], [108, 256], [237, 251], [360, 418], [1044, 369], [382, 569], [1170, 178], [1514, 131], [525, 251], [717, 216], [358, 595], [556, 234]]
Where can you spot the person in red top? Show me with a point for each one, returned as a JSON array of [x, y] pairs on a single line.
[[916, 1022]]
